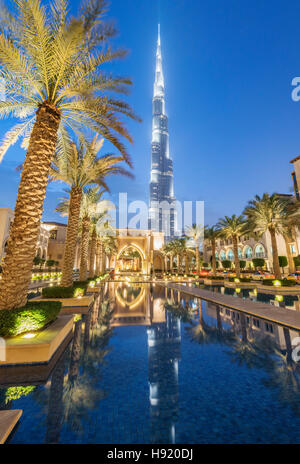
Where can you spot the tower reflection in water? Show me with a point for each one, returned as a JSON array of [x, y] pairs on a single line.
[[164, 337], [136, 304]]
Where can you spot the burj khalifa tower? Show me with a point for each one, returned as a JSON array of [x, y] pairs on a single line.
[[162, 212]]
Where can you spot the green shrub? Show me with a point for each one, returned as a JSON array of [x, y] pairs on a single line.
[[81, 283], [243, 264], [34, 316], [283, 261], [226, 263], [215, 277], [284, 282], [258, 262], [297, 260], [58, 292]]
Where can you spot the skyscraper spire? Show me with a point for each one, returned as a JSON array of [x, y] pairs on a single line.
[[161, 183], [159, 77]]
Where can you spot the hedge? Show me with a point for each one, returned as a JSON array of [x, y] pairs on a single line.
[[241, 279], [214, 277], [283, 282], [64, 292], [33, 316]]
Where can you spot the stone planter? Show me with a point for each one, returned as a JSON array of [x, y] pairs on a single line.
[[40, 348]]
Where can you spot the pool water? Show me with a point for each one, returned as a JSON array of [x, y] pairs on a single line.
[[288, 301], [156, 366]]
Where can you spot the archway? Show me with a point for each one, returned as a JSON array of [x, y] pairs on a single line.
[[130, 259]]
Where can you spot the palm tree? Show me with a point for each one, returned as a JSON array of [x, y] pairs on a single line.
[[90, 200], [290, 224], [178, 248], [52, 65], [109, 247], [232, 227], [99, 222], [195, 234], [79, 166], [267, 214], [211, 234], [103, 229]]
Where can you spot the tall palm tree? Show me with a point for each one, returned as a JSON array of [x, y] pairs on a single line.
[[232, 227], [99, 223], [88, 209], [291, 224], [211, 234], [78, 165], [90, 200], [103, 229], [267, 214], [109, 247], [178, 248], [195, 234], [52, 65]]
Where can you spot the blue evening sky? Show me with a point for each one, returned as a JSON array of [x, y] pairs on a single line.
[[228, 68]]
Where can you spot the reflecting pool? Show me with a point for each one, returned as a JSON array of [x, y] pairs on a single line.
[[151, 365], [288, 301]]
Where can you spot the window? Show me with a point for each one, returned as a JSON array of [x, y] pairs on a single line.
[[293, 248], [259, 251], [256, 322], [240, 253], [222, 255], [248, 252], [269, 327], [230, 255]]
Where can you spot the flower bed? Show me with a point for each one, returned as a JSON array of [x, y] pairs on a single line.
[[34, 316]]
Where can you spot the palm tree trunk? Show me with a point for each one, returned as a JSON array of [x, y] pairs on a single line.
[[84, 247], [289, 255], [276, 266], [236, 256], [92, 253], [171, 263], [71, 238], [197, 258], [213, 260], [17, 267], [98, 257], [102, 259], [186, 263], [178, 263]]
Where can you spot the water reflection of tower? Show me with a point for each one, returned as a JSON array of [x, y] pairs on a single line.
[[163, 355]]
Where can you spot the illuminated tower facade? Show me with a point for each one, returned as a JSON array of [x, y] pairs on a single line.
[[162, 201]]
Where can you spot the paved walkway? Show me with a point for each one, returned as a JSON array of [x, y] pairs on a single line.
[[8, 420], [282, 316]]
